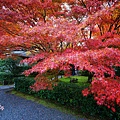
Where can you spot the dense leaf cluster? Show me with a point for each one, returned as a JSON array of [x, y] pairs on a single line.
[[106, 92]]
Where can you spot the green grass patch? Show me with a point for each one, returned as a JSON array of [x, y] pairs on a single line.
[[82, 80]]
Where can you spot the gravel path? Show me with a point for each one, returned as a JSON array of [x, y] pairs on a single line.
[[17, 108]]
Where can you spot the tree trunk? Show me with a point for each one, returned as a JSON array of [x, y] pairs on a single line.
[[72, 69], [90, 76]]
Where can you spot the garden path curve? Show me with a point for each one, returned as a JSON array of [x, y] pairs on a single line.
[[17, 108]]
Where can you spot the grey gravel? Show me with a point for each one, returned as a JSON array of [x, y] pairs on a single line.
[[17, 108]]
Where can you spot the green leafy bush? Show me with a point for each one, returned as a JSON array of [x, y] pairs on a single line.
[[6, 78], [84, 73], [10, 68], [69, 94], [22, 84]]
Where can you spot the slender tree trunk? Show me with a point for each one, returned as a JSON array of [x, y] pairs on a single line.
[[90, 76]]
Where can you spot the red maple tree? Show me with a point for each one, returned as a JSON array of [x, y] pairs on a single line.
[[58, 33]]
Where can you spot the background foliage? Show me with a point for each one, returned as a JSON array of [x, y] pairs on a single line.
[[9, 69]]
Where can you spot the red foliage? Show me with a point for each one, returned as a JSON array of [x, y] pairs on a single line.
[[86, 92], [105, 91], [41, 83]]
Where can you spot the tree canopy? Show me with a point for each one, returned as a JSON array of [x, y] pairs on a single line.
[[85, 33], [57, 33]]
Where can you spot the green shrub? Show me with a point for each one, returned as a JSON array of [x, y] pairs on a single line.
[[84, 73], [10, 68], [90, 107], [69, 94], [6, 78], [22, 84]]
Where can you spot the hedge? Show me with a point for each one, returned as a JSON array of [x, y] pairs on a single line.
[[6, 78], [69, 94], [22, 84]]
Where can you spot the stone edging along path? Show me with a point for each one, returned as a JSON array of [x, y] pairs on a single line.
[[3, 87]]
